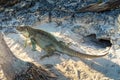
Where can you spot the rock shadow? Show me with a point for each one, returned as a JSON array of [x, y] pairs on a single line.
[[104, 66]]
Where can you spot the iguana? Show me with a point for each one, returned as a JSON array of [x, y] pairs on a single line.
[[50, 44]]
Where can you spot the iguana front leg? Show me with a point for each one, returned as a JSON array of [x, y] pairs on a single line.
[[50, 51], [25, 43], [33, 42]]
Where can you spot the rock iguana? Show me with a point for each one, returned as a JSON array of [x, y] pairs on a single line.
[[50, 44]]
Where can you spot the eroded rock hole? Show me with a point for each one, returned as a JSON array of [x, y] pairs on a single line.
[[91, 40], [106, 43]]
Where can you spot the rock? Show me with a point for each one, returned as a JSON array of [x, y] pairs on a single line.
[[8, 2]]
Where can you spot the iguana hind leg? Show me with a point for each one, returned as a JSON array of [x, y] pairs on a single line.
[[63, 43], [50, 51]]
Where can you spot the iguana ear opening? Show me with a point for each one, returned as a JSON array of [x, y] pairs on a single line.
[[20, 28]]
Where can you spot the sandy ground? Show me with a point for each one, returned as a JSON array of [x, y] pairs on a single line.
[[66, 67]]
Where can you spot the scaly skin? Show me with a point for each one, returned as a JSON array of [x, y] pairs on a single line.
[[100, 1], [49, 43]]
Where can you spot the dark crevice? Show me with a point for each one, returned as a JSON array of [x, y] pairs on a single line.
[[91, 40], [106, 43]]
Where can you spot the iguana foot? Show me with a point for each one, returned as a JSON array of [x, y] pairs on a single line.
[[50, 51], [47, 55], [34, 49], [69, 44], [25, 43]]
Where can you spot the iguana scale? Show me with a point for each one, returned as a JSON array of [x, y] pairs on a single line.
[[50, 44]]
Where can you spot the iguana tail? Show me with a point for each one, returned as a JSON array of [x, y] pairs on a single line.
[[72, 52]]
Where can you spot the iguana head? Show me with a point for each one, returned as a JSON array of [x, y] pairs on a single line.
[[23, 30]]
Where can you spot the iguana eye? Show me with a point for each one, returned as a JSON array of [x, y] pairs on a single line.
[[26, 28], [18, 28]]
